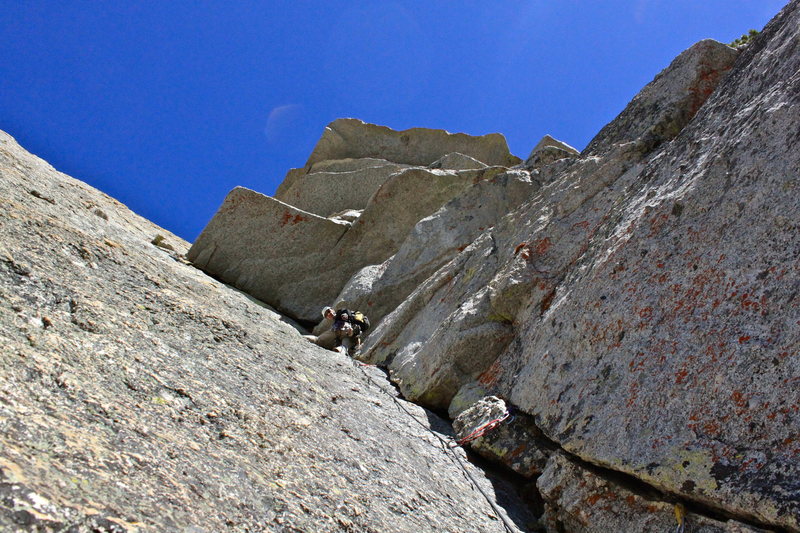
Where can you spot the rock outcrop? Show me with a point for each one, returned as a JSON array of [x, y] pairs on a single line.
[[370, 171], [618, 329], [549, 150], [352, 138], [634, 303], [669, 351], [138, 394], [349, 185], [641, 306]]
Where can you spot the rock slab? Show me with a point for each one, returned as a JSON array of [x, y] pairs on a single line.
[[138, 394]]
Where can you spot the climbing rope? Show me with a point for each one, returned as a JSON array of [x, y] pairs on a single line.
[[445, 445], [482, 430]]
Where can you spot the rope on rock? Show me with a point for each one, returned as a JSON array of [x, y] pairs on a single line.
[[445, 445]]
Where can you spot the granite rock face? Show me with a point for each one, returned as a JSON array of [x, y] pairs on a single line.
[[352, 138], [670, 351], [267, 248], [549, 150], [580, 500], [139, 394], [641, 305], [634, 307], [326, 192], [528, 252], [368, 181], [435, 240]]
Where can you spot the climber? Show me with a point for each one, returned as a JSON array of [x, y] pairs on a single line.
[[326, 339], [348, 326], [343, 330]]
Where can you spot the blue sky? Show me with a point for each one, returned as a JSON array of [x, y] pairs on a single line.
[[168, 105]]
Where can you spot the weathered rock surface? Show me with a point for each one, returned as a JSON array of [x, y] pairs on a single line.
[[378, 201], [671, 351], [510, 439], [435, 240], [549, 150], [529, 252], [297, 261], [580, 501], [138, 394], [456, 161], [328, 192], [352, 138], [268, 249], [635, 305], [661, 110], [642, 305]]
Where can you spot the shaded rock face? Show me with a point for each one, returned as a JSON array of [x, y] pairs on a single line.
[[138, 394], [581, 501]]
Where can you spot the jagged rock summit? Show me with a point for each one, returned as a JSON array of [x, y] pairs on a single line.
[[635, 304], [293, 252]]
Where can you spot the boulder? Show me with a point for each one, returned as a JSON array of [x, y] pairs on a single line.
[[269, 249], [467, 395], [352, 138], [489, 428], [634, 309]]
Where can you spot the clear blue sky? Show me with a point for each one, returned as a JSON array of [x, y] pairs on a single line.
[[167, 105]]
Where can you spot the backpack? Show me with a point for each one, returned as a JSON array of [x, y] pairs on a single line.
[[357, 319], [362, 320]]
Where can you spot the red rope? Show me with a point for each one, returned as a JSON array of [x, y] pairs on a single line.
[[481, 431]]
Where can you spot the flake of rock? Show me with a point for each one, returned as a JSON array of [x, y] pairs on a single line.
[[490, 429]]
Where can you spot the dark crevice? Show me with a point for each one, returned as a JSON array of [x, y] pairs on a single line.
[[517, 495], [650, 492], [527, 494], [524, 488]]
